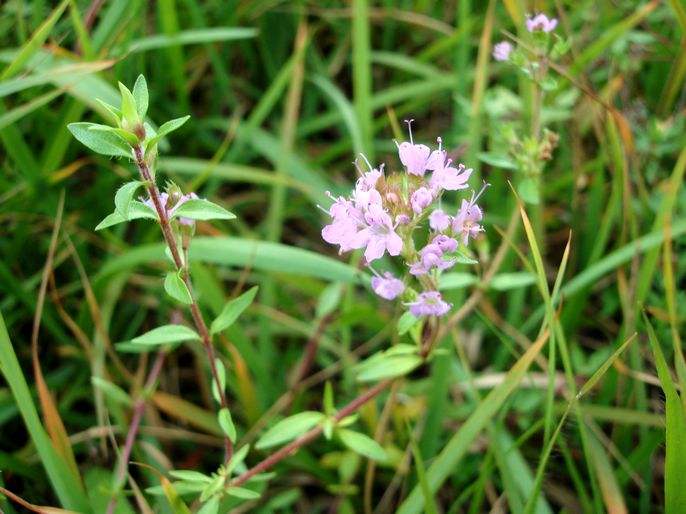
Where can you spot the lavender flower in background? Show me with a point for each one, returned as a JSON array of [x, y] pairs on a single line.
[[540, 22], [387, 286], [502, 51], [383, 213], [439, 220]]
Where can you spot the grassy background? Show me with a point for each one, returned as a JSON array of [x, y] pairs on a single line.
[[282, 95]]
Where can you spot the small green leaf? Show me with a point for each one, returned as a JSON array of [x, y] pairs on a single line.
[[201, 209], [105, 143], [221, 372], [140, 95], [112, 391], [329, 299], [166, 334], [232, 310], [137, 210], [405, 322], [211, 506], [124, 196], [506, 281], [497, 160], [548, 84], [237, 459], [188, 475], [226, 424], [126, 135], [242, 493], [362, 444], [128, 107], [171, 126], [289, 428], [327, 428], [176, 288], [456, 280], [213, 488], [329, 407], [381, 366], [113, 113]]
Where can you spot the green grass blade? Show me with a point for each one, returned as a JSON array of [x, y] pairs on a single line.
[[69, 491], [675, 460], [34, 44], [447, 460]]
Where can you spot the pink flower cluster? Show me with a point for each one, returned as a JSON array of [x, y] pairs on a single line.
[[384, 212], [540, 22]]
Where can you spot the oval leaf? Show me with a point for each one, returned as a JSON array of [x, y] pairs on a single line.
[[166, 334], [201, 209], [232, 310], [177, 289], [226, 424], [362, 444], [387, 366], [124, 197], [105, 143], [289, 428], [140, 95], [137, 210]]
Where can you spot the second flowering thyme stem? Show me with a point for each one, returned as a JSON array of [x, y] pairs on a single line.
[[170, 240], [138, 410], [310, 435]]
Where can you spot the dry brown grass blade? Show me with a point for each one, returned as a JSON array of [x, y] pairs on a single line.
[[41, 509], [51, 417]]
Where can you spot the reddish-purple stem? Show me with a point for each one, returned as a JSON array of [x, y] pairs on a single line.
[[198, 320], [310, 435], [138, 410]]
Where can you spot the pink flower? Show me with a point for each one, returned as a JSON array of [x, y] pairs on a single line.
[[164, 198], [369, 178], [402, 219], [419, 158], [540, 22], [445, 243], [429, 303], [421, 199], [431, 256], [466, 222], [502, 50], [439, 220], [380, 234], [450, 178], [387, 286], [346, 226]]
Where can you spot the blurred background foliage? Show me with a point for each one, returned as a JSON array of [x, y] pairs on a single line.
[[283, 95]]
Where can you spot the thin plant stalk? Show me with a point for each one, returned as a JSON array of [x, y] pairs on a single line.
[[198, 319], [310, 435], [138, 410]]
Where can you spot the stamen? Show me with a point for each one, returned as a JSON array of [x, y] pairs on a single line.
[[409, 129], [365, 160], [357, 167], [440, 143]]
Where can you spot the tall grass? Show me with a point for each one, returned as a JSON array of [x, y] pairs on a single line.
[[560, 387]]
